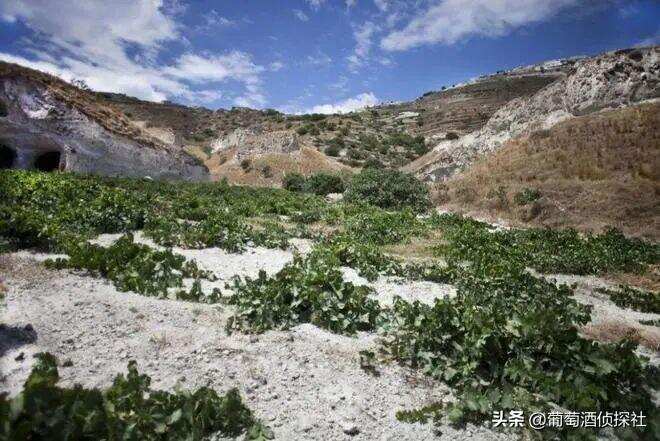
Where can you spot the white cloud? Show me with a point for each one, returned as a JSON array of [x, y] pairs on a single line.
[[275, 66], [315, 4], [252, 98], [90, 40], [349, 105], [213, 20], [449, 21], [300, 15], [363, 37], [350, 3], [341, 85], [319, 59], [382, 5], [234, 65], [206, 96]]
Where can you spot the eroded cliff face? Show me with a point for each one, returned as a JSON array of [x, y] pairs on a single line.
[[249, 142], [43, 130], [612, 80]]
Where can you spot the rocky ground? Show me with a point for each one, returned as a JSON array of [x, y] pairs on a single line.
[[305, 383]]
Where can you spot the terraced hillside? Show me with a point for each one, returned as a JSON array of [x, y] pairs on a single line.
[[389, 135], [467, 108]]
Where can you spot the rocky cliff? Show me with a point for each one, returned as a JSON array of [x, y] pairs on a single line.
[[48, 124], [612, 80], [257, 142]]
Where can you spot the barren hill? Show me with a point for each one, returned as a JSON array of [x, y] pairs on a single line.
[[588, 172], [433, 136], [612, 80]]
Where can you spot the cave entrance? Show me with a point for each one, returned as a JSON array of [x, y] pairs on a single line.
[[7, 157], [48, 161]]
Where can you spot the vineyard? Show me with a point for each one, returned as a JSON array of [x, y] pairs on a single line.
[[507, 337]]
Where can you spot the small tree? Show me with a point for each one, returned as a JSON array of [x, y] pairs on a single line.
[[80, 84], [293, 182], [389, 189]]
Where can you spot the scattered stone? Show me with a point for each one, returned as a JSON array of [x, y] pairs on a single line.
[[350, 428]]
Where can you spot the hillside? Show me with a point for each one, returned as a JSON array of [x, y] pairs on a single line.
[[139, 302], [49, 124], [615, 79], [589, 172], [388, 134]]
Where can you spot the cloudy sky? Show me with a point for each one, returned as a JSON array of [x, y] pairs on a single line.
[[306, 55]]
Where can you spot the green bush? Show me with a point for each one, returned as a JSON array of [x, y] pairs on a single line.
[[389, 189], [512, 342], [356, 154], [294, 182], [526, 196], [138, 268], [246, 165], [332, 150], [307, 290], [635, 299], [546, 250], [373, 163], [127, 410], [323, 184], [320, 183], [267, 171]]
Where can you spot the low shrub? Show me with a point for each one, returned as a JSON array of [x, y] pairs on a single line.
[[267, 171], [373, 163], [389, 189], [127, 410], [219, 228], [138, 268], [319, 183], [323, 184], [381, 228], [512, 342], [294, 182], [307, 290], [526, 196], [635, 299]]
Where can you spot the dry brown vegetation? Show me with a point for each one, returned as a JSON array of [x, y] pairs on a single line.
[[590, 172], [615, 331], [268, 170]]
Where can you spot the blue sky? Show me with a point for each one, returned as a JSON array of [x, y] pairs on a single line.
[[307, 55]]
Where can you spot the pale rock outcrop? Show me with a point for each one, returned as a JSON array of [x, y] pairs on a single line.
[[40, 123], [611, 80], [250, 142]]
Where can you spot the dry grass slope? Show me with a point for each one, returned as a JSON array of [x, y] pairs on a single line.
[[591, 172], [268, 170]]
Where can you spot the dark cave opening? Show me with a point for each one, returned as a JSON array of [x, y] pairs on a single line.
[[48, 161], [7, 157]]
